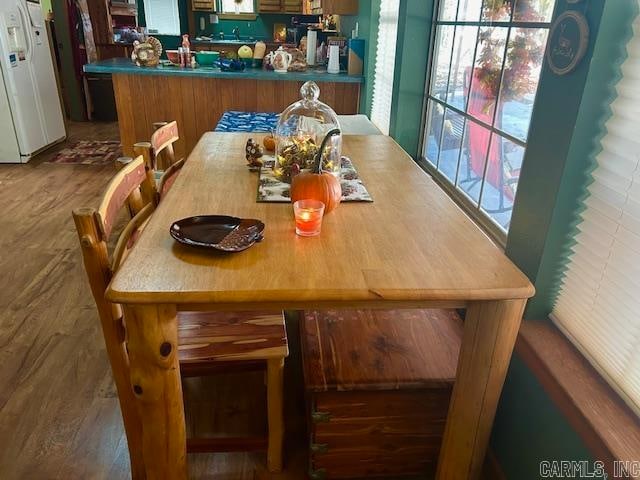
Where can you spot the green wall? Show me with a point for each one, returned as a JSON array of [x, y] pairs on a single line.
[[566, 126], [413, 45]]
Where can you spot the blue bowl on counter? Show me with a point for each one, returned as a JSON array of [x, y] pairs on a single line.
[[231, 65], [207, 59]]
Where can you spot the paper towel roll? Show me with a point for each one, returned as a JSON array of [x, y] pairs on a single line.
[[312, 44], [334, 59]]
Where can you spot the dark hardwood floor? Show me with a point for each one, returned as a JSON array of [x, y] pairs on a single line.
[[59, 416]]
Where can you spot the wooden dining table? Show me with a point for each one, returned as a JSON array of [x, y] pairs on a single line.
[[412, 247]]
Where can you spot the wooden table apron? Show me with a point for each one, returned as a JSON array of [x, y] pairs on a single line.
[[412, 247]]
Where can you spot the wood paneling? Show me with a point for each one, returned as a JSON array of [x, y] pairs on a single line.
[[198, 103]]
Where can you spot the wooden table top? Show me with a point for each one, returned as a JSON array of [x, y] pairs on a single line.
[[412, 245]]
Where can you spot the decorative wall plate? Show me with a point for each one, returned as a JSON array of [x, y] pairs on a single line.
[[568, 42]]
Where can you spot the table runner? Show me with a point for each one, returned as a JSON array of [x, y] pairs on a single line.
[[270, 189]]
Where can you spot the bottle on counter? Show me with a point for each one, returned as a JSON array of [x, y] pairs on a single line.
[[181, 56], [186, 51]]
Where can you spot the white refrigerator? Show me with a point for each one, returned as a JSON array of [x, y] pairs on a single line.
[[31, 116]]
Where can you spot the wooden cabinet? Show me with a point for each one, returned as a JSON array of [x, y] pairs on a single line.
[[105, 16], [378, 387], [280, 6], [334, 7]]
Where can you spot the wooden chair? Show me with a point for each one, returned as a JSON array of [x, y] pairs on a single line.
[[206, 340], [160, 157], [159, 152]]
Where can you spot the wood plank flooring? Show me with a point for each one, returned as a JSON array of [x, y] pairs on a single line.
[[59, 416]]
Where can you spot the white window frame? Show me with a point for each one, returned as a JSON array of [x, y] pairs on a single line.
[[157, 29]]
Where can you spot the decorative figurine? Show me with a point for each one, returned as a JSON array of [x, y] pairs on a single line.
[[147, 53], [254, 154]]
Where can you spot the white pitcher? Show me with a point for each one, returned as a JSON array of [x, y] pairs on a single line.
[[281, 60]]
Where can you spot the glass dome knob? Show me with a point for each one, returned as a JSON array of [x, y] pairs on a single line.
[[310, 92]]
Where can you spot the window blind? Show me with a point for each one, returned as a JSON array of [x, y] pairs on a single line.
[[385, 65], [598, 306], [162, 17], [230, 6]]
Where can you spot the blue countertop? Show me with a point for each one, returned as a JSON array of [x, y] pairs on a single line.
[[126, 66]]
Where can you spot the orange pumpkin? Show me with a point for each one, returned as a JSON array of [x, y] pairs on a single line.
[[269, 143], [321, 186], [324, 187]]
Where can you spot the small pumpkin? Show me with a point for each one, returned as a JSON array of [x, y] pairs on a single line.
[[269, 143], [321, 186]]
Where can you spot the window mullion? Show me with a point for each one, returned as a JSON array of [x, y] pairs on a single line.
[[446, 93]]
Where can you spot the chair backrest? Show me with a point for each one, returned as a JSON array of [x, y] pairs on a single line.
[[129, 188], [168, 177], [162, 141], [160, 156]]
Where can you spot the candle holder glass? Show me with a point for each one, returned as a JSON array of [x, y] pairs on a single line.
[[308, 214]]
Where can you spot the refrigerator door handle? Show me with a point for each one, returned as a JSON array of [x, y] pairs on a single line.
[[27, 30]]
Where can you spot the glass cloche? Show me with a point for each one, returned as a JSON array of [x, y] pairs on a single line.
[[300, 132]]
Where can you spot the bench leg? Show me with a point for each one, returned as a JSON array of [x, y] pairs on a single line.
[[275, 384]]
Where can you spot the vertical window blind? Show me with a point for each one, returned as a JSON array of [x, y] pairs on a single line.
[[245, 6], [385, 65], [598, 306], [162, 17]]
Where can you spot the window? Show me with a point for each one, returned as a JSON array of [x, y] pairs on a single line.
[[162, 17], [233, 6], [598, 304], [385, 65], [485, 69]]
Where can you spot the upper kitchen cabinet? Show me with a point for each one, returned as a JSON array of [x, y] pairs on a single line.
[[280, 6], [309, 7], [334, 7]]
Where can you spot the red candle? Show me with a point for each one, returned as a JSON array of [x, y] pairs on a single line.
[[308, 215]]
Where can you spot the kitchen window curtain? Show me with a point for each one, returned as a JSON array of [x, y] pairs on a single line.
[[598, 306], [385, 65]]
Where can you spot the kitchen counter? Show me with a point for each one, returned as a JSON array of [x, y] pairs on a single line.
[[126, 66], [197, 98]]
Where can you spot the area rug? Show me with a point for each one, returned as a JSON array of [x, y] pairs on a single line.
[[89, 152], [270, 189]]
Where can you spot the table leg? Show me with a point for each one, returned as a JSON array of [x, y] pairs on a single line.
[[490, 331], [152, 341], [275, 369]]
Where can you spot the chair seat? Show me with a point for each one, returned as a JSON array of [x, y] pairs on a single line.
[[231, 336]]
